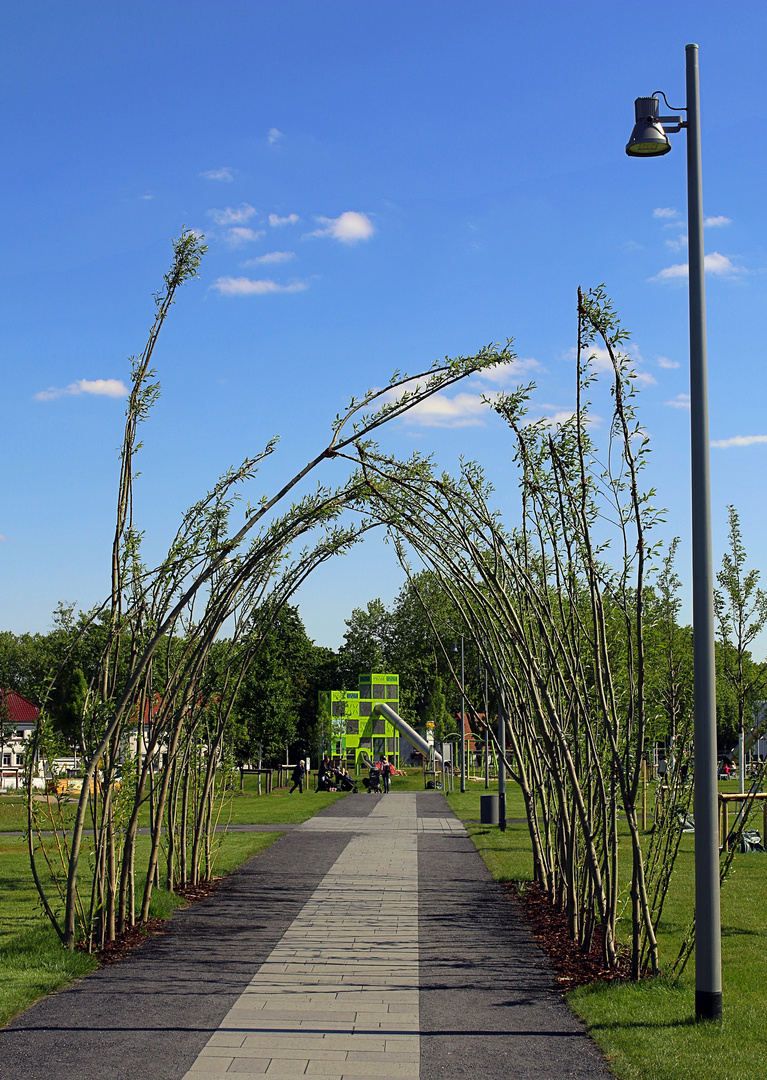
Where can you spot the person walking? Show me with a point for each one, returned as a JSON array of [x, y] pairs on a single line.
[[298, 777], [386, 774]]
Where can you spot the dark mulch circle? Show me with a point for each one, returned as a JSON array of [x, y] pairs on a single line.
[[550, 929], [112, 952], [201, 891]]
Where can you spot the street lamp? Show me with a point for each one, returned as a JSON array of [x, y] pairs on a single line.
[[462, 722], [649, 139]]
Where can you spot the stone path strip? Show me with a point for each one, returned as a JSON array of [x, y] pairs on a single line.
[[338, 996]]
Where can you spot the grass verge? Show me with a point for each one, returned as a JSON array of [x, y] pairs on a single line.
[[32, 961], [647, 1030]]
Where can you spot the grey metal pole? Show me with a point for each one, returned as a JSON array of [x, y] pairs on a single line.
[[708, 942], [487, 736], [501, 765], [463, 724]]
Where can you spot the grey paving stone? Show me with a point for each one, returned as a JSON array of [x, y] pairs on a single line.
[[381, 961]]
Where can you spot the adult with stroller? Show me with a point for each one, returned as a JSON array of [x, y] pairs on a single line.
[[342, 781], [373, 780], [324, 775], [298, 777]]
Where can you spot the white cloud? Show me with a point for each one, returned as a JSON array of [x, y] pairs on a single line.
[[147, 198], [555, 416], [114, 388], [233, 215], [681, 401], [240, 234], [716, 222], [3, 539], [349, 228], [439, 410], [276, 221], [223, 173], [242, 286], [678, 244], [664, 212], [508, 374], [715, 263], [274, 136], [600, 361], [671, 273], [271, 257], [556, 419], [664, 362], [463, 410], [738, 440]]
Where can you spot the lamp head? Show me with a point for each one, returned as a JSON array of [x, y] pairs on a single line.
[[648, 139]]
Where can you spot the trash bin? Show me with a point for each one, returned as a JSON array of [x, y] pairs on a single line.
[[488, 809]]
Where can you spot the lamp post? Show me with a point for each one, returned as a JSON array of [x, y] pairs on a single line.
[[649, 139], [487, 737], [463, 723]]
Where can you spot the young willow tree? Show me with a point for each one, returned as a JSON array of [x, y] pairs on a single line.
[[557, 606], [154, 723], [740, 607]]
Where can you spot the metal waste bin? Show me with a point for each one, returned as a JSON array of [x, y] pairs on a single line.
[[488, 809]]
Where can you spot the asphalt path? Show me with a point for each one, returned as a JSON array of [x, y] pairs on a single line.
[[489, 1006], [149, 1016], [488, 1002]]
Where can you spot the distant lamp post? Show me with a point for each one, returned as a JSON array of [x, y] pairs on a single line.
[[462, 722], [649, 139]]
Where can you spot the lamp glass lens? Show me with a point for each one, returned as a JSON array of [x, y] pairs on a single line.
[[650, 148]]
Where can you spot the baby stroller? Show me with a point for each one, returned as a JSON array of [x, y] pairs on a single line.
[[373, 781], [343, 782]]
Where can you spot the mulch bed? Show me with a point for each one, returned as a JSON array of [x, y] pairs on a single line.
[[112, 952], [550, 929]]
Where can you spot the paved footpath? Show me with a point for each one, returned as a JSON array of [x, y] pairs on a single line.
[[368, 942]]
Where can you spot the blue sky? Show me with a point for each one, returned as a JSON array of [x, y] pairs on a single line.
[[380, 184]]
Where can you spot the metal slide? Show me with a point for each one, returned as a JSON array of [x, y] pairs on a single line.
[[751, 737], [405, 729]]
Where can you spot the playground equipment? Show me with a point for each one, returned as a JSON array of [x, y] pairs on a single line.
[[745, 800], [349, 726], [361, 726], [402, 726], [756, 737]]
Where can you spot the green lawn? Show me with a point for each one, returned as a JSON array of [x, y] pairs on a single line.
[[13, 813], [279, 808], [647, 1030], [247, 808]]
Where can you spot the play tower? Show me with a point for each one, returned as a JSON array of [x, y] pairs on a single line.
[[348, 714]]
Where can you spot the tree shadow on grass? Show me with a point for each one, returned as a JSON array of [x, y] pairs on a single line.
[[659, 1025]]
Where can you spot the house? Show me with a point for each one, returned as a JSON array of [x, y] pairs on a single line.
[[18, 718], [473, 745], [135, 744]]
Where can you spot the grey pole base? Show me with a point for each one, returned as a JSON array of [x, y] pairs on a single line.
[[488, 809], [708, 1006]]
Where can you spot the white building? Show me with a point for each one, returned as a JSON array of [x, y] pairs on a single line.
[[18, 717]]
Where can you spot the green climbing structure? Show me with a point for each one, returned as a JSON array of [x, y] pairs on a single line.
[[346, 715]]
